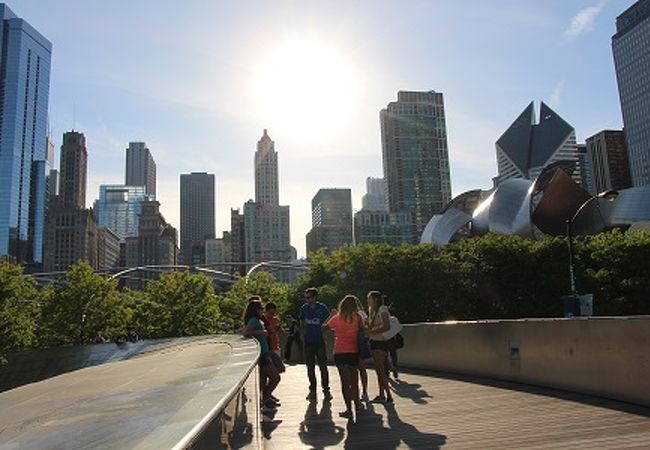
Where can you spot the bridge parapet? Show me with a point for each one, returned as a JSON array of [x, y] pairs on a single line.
[[603, 356], [177, 393]]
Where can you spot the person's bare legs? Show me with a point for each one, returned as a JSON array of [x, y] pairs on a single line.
[[272, 380], [380, 367], [363, 374]]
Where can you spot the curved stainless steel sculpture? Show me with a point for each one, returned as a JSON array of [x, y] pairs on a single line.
[[529, 207]]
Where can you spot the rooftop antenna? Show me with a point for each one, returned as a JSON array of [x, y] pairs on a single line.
[[74, 116]]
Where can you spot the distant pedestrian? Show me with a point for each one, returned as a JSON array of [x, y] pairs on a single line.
[[273, 326], [346, 324], [292, 336], [379, 322], [313, 315]]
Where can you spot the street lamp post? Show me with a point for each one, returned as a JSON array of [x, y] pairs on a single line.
[[609, 195]]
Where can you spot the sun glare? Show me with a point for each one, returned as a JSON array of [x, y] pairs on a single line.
[[306, 86]]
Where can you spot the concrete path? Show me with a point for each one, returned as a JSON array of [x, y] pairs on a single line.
[[461, 412]]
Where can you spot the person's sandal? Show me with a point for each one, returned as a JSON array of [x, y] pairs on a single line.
[[346, 414]]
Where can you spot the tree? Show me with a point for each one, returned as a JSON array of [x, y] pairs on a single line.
[[179, 304], [19, 308], [264, 284], [87, 304]]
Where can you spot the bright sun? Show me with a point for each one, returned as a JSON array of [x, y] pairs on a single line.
[[306, 86]]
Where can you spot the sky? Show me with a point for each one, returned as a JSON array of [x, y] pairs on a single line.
[[200, 80]]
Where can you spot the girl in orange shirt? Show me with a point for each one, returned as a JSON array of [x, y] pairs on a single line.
[[345, 322]]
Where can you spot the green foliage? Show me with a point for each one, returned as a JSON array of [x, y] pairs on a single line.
[[262, 283], [19, 308], [493, 276], [481, 278], [87, 304], [178, 304]]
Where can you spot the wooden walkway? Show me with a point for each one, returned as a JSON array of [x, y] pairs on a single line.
[[434, 410]]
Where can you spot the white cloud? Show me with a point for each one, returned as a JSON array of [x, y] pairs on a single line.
[[583, 21]]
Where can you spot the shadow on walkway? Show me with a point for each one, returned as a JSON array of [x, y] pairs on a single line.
[[585, 399], [369, 431], [318, 430], [413, 391]]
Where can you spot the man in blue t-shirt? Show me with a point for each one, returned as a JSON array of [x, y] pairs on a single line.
[[313, 315]]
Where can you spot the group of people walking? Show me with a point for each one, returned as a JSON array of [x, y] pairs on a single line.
[[358, 336]]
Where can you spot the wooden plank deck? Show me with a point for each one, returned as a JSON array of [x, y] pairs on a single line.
[[434, 410]]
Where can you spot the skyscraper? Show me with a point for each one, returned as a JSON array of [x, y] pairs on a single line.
[[266, 223], [197, 215], [608, 157], [415, 156], [375, 197], [266, 172], [74, 169], [331, 220], [70, 228], [526, 147], [631, 48], [24, 88], [119, 207], [156, 243], [140, 167]]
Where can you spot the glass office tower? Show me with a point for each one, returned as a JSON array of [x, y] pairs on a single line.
[[631, 47], [119, 206], [24, 92]]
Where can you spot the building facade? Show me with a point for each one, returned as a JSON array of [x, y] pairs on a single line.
[[119, 207], [416, 156], [528, 146], [267, 190], [266, 222], [108, 249], [197, 215], [331, 220], [140, 167], [24, 86], [631, 48], [375, 227], [157, 241], [70, 228], [375, 197], [608, 157]]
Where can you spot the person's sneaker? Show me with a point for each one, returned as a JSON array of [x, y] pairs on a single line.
[[272, 403], [364, 397], [378, 399], [389, 401], [311, 396], [327, 395], [274, 398]]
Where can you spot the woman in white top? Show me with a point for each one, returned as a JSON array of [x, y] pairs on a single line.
[[379, 322]]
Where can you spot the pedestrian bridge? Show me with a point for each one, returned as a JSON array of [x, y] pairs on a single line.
[[495, 384]]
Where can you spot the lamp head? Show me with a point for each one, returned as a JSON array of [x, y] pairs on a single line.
[[608, 195]]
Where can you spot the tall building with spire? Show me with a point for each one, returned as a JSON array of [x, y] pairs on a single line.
[[528, 145], [266, 172], [266, 222], [140, 167], [24, 87], [70, 228], [631, 49], [416, 156]]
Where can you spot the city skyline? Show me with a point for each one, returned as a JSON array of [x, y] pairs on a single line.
[[199, 106]]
